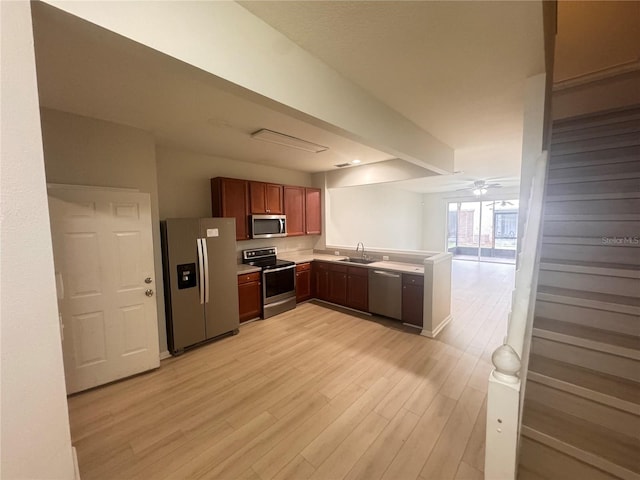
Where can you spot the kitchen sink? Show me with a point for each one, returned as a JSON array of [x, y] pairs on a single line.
[[357, 260]]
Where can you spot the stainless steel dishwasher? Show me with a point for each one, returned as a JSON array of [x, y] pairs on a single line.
[[385, 293]]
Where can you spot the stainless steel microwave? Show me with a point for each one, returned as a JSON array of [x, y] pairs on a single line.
[[268, 226]]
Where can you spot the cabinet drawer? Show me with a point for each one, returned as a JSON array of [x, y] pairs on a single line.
[[303, 267], [412, 279], [248, 278]]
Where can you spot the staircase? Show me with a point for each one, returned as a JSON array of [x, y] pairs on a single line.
[[581, 414]]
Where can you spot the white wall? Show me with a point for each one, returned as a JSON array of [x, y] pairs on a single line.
[[434, 219], [86, 151], [35, 440], [434, 236], [380, 216]]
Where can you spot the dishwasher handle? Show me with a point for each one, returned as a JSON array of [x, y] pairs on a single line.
[[386, 274]]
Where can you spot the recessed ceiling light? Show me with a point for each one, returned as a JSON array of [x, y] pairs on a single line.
[[356, 161], [288, 141]]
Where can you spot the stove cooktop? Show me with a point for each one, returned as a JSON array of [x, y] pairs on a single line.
[[266, 258]]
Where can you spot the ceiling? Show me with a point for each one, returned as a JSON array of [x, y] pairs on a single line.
[[455, 69]]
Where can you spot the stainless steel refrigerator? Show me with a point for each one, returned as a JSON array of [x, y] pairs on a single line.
[[200, 277]]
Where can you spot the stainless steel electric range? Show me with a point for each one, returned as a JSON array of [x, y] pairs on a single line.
[[278, 280]]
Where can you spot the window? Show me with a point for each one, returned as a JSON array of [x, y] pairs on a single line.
[[483, 230]]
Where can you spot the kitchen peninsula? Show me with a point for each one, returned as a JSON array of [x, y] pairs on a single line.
[[422, 279]]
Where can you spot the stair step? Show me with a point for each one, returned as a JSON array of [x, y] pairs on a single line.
[[590, 317], [597, 206], [622, 242], [585, 408], [594, 268], [605, 117], [609, 171], [588, 337], [614, 281], [596, 229], [581, 249], [607, 389], [594, 144], [574, 197], [526, 474], [596, 445], [588, 217], [595, 131], [542, 462], [599, 301], [595, 185], [610, 156], [563, 350]]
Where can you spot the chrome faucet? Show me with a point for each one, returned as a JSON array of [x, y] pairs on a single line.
[[360, 244]]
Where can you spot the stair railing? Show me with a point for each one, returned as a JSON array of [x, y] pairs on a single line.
[[505, 392]]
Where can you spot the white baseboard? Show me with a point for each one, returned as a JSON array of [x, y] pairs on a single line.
[[76, 467], [433, 333], [164, 355]]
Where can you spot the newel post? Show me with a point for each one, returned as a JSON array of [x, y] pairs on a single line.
[[502, 415]]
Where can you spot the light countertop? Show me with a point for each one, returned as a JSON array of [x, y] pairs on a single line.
[[244, 269], [305, 257]]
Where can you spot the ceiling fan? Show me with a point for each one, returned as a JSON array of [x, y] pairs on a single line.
[[480, 187], [502, 204]]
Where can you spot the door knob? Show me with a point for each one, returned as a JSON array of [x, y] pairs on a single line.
[[148, 280], [149, 292]]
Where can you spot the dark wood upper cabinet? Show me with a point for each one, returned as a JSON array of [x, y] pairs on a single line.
[[294, 206], [230, 198], [237, 198], [265, 198], [313, 211]]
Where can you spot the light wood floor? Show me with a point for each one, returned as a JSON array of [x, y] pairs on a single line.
[[312, 393]]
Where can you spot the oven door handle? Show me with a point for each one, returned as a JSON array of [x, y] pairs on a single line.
[[273, 270]]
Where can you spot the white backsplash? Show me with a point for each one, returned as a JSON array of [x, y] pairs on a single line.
[[286, 244]]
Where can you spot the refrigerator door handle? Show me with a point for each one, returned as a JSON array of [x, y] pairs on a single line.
[[205, 254], [201, 270]]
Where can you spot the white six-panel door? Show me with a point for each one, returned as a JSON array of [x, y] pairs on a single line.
[[103, 254]]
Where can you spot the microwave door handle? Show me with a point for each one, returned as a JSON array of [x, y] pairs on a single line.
[[201, 270], [282, 225]]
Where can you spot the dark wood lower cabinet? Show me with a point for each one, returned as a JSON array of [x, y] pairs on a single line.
[[412, 299], [249, 296], [358, 288], [348, 285], [338, 284], [303, 282], [320, 280], [341, 284]]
